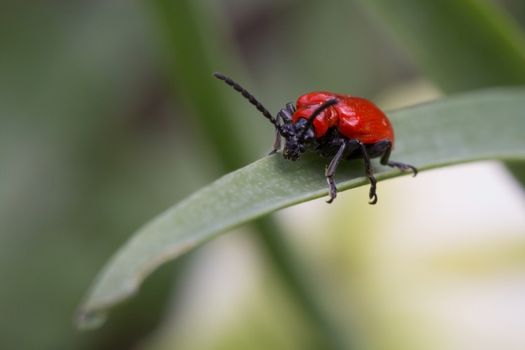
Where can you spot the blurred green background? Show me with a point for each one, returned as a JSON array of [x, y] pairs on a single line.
[[109, 114]]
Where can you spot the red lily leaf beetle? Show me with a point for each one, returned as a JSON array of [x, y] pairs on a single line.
[[335, 125]]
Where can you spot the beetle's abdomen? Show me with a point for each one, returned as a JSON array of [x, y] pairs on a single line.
[[358, 118]]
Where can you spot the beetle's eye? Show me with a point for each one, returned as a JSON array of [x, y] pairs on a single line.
[[309, 135], [301, 123]]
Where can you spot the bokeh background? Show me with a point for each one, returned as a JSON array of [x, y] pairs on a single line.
[[109, 114]]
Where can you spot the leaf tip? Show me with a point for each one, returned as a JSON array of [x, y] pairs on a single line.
[[86, 319]]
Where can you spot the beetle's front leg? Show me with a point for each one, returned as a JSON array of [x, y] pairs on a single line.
[[330, 172], [276, 143], [283, 117]]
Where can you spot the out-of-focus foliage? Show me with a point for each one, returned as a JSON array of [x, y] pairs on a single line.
[[97, 137], [460, 45], [86, 151]]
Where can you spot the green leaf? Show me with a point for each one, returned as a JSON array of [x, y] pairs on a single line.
[[470, 127]]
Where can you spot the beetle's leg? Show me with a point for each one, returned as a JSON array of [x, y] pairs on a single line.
[[290, 107], [369, 173], [286, 113], [386, 156], [330, 171], [277, 143], [283, 117]]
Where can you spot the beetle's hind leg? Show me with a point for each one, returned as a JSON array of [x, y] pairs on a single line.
[[385, 158]]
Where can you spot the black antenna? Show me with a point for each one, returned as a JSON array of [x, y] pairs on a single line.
[[315, 113], [247, 96]]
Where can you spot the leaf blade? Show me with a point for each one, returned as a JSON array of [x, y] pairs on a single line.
[[482, 125]]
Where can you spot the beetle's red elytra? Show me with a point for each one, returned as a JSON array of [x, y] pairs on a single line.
[[354, 117], [335, 125]]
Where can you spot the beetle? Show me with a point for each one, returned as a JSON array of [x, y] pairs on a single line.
[[335, 125]]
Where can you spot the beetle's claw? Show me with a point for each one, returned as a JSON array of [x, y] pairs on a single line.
[[373, 198]]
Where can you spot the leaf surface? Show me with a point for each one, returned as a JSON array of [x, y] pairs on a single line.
[[465, 128]]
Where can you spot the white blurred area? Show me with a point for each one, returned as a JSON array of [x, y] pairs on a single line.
[[437, 264], [440, 263]]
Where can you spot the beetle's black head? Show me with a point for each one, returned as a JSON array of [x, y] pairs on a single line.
[[297, 139]]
